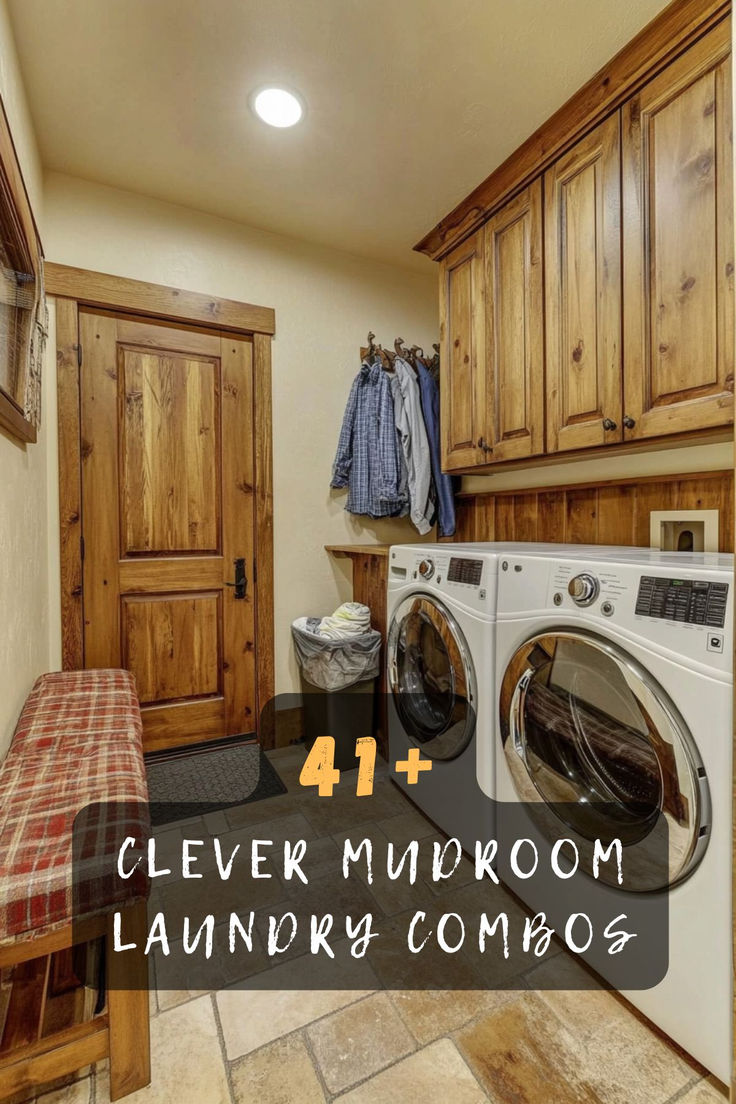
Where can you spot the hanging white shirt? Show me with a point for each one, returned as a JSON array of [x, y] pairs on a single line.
[[415, 447]]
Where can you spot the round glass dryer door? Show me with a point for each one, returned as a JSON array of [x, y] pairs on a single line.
[[432, 677], [588, 732]]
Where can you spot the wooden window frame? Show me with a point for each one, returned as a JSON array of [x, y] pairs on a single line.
[[74, 288], [13, 190]]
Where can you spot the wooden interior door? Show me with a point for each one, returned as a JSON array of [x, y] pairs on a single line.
[[463, 352], [513, 424], [679, 245], [167, 507], [583, 293]]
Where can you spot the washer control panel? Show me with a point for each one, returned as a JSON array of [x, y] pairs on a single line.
[[426, 568], [692, 601], [583, 589], [466, 571]]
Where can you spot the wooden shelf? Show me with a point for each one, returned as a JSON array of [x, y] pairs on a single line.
[[342, 550]]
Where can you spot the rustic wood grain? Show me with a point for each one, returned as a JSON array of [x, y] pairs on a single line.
[[172, 645], [238, 537], [263, 445], [583, 292], [169, 452], [100, 289], [100, 489], [679, 245], [128, 1009], [608, 512], [169, 414], [70, 485], [463, 355], [512, 425]]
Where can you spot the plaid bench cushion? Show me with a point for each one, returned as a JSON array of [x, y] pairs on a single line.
[[78, 742]]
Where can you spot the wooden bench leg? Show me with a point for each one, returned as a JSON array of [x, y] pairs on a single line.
[[128, 1009]]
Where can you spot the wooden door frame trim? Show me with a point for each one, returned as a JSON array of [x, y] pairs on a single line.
[[670, 33], [74, 288], [100, 289]]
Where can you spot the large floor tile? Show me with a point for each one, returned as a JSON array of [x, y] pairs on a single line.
[[522, 1055], [280, 1073], [252, 1018], [407, 825], [430, 1013], [435, 1075], [359, 1041], [186, 1060], [648, 1068], [586, 1006]]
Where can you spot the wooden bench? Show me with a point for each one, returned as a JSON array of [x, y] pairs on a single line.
[[78, 742]]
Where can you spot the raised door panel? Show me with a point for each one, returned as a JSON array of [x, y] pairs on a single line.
[[462, 362], [513, 424], [171, 644], [583, 293], [679, 245], [169, 453]]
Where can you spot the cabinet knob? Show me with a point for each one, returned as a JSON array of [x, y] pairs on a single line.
[[483, 444], [609, 424], [629, 422]]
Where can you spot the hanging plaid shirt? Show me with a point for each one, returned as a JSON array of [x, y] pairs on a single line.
[[367, 460]]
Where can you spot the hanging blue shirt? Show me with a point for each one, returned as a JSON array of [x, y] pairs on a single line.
[[367, 460], [430, 398]]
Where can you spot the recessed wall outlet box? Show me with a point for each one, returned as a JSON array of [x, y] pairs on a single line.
[[684, 530]]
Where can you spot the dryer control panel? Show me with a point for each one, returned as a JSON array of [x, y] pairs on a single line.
[[692, 601]]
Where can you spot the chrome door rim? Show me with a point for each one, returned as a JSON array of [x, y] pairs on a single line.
[[688, 843], [466, 658]]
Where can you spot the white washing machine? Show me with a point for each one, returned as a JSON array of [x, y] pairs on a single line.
[[440, 661], [614, 677]]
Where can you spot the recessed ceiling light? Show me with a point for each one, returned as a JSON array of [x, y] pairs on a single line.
[[277, 107]]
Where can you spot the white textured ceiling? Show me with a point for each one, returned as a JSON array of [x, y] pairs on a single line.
[[410, 103]]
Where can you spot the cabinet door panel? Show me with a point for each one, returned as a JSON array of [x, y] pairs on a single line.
[[678, 245], [583, 292], [514, 412], [463, 348]]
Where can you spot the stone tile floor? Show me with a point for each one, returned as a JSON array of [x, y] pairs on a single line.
[[520, 1046]]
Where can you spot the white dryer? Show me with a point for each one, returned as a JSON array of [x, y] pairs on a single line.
[[440, 659], [614, 689]]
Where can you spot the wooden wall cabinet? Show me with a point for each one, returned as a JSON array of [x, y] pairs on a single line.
[[596, 305], [513, 423], [679, 245], [583, 293], [463, 352]]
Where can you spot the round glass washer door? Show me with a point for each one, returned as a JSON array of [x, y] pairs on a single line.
[[588, 732], [431, 676]]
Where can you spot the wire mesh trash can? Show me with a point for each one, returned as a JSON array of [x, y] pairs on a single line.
[[338, 681]]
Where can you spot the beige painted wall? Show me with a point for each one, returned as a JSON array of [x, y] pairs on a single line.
[[24, 589], [325, 303], [694, 458]]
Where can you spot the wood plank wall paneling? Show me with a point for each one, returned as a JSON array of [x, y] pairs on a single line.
[[610, 512]]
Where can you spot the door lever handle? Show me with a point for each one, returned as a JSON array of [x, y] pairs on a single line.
[[241, 583]]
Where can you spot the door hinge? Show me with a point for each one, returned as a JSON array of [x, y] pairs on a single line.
[[79, 354], [255, 573], [81, 548]]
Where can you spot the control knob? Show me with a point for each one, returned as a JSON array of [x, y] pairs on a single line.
[[583, 589], [426, 568]]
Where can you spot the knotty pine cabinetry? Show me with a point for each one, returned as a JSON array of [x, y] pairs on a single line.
[[596, 305], [678, 245], [463, 359], [583, 293]]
